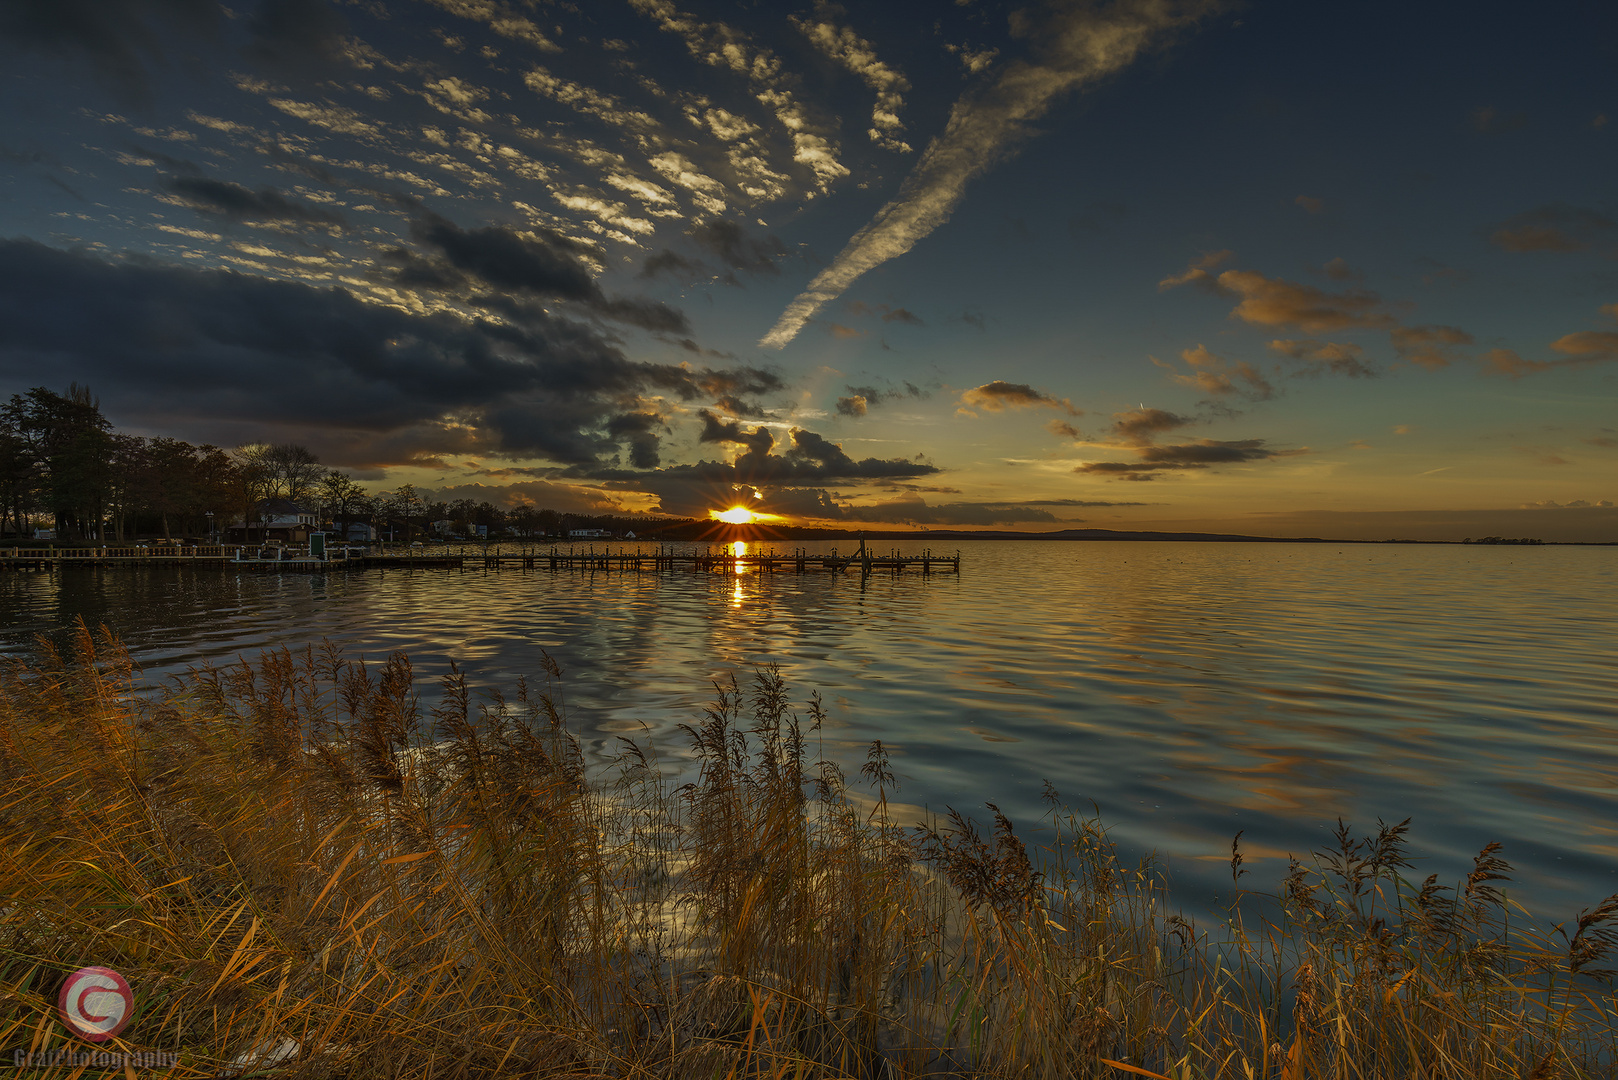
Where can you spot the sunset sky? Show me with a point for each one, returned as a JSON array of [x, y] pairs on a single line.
[[1295, 269]]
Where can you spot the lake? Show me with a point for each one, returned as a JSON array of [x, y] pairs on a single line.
[[1187, 690]]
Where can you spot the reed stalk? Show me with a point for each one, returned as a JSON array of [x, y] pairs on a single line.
[[300, 871]]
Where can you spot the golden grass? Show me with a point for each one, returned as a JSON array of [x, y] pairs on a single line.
[[300, 874]]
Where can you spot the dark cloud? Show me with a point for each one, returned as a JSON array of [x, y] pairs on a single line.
[[1139, 427], [736, 248], [303, 36], [812, 463], [739, 407], [999, 395], [541, 263], [225, 357], [716, 429], [640, 431], [673, 264], [544, 264], [118, 38], [225, 199], [1197, 455], [405, 267], [862, 399]]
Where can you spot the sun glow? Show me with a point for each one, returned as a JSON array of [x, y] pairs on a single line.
[[736, 515]]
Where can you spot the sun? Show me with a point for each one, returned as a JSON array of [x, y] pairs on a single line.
[[736, 515]]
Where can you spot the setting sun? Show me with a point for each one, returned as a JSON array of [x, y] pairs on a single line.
[[736, 515]]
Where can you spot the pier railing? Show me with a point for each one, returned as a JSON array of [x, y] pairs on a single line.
[[712, 559]]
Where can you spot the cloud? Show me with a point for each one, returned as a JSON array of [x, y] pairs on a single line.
[[1277, 302], [998, 396], [732, 245], [1578, 349], [1213, 375], [719, 45], [859, 56], [811, 462], [1198, 272], [886, 312], [1139, 427], [1576, 504], [1555, 227], [1510, 363], [1339, 270], [674, 264], [640, 431], [221, 357], [225, 199], [1202, 454], [1325, 358], [862, 399], [1076, 48], [541, 263], [1428, 346], [501, 19]]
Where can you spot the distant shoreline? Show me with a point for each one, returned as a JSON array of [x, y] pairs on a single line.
[[700, 530]]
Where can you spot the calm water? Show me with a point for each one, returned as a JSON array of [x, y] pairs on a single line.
[[1188, 690]]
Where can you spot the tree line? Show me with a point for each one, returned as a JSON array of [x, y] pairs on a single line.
[[62, 466]]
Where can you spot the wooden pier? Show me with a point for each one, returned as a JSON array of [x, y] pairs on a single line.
[[720, 558]]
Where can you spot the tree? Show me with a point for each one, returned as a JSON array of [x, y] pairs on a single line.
[[276, 471], [342, 499], [59, 451], [297, 471], [402, 506]]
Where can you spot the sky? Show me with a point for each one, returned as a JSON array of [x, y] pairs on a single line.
[[1275, 268]]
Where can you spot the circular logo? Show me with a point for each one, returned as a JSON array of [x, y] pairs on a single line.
[[96, 1003]]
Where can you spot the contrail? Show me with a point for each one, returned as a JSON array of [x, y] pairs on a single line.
[[1080, 46]]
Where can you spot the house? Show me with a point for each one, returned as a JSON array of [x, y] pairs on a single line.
[[587, 534], [273, 519]]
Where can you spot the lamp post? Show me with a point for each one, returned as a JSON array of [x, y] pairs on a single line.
[[209, 516]]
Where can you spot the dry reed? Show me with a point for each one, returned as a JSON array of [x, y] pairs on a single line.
[[301, 874]]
